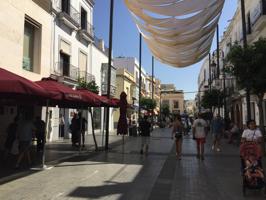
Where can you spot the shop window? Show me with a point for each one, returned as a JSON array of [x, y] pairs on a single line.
[[31, 45]]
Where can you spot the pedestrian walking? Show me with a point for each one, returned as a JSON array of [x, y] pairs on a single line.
[[75, 130], [61, 126], [145, 127], [40, 133], [11, 136], [217, 131], [233, 132], [177, 133], [83, 124], [199, 130], [25, 132]]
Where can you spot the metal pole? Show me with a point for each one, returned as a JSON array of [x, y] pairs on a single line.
[[152, 91], [109, 72], [224, 89], [218, 52], [140, 48], [210, 75], [160, 106], [243, 14], [218, 62]]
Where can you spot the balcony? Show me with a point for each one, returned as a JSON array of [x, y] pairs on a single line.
[[66, 70], [45, 4], [104, 89], [86, 32], [67, 14], [70, 72], [258, 17], [87, 76]]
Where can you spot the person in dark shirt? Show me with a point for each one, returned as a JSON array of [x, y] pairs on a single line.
[[40, 133], [11, 136], [83, 124], [145, 127]]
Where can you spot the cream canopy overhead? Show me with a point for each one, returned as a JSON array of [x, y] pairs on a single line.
[[178, 32]]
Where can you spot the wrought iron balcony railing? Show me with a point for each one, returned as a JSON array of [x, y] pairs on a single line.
[[87, 76], [104, 89], [66, 69], [65, 9], [87, 28]]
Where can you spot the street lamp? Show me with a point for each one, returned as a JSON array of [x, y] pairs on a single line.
[[243, 14]]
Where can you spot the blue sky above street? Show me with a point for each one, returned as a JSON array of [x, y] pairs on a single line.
[[126, 43]]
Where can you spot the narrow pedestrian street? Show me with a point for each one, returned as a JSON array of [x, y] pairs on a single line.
[[123, 173]]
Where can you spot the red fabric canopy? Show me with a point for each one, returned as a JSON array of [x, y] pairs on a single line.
[[67, 95], [12, 85], [103, 100], [100, 100]]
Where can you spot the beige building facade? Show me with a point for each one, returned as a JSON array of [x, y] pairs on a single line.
[[25, 37], [173, 98], [125, 82], [256, 28]]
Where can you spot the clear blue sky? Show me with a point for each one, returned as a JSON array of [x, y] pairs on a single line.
[[126, 43]]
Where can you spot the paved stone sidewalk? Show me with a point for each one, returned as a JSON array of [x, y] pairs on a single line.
[[124, 174], [55, 152]]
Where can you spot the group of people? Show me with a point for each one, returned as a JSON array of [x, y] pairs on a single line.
[[20, 134], [201, 128], [199, 131]]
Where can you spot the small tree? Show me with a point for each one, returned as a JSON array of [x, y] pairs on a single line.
[[165, 110], [249, 68], [213, 98], [91, 86], [147, 103]]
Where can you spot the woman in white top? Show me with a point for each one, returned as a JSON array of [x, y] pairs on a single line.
[[252, 133]]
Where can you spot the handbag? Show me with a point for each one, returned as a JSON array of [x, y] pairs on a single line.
[[14, 148]]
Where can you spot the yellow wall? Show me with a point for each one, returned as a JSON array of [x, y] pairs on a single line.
[[174, 97]]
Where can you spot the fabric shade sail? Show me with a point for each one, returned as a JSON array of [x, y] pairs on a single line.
[[16, 87], [67, 97], [178, 33]]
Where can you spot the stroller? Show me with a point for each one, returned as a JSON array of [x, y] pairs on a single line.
[[252, 171]]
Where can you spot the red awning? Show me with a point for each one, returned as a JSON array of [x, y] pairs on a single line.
[[68, 96], [113, 102], [15, 86], [102, 100]]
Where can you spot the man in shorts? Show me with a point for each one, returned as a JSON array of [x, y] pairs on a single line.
[[199, 130], [217, 131]]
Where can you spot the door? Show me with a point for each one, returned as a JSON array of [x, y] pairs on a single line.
[[64, 64]]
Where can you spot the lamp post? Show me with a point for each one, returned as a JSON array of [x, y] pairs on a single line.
[[152, 90], [210, 74], [140, 81], [109, 73], [218, 51], [243, 14], [224, 89]]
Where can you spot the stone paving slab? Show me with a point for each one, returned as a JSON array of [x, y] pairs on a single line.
[[124, 174]]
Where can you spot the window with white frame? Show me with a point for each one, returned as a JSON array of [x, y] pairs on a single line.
[[31, 45]]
